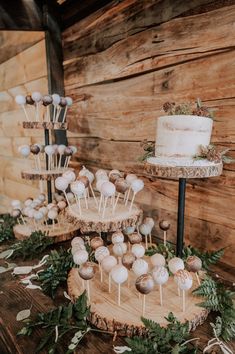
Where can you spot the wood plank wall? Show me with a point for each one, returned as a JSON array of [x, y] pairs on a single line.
[[22, 69], [121, 64]]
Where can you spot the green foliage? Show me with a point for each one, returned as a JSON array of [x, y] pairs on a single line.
[[32, 246], [208, 258], [169, 339], [191, 108], [167, 251], [149, 148], [7, 223], [69, 319], [219, 299], [56, 270]]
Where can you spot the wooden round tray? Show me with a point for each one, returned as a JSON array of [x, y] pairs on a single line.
[[125, 319], [44, 175], [59, 234], [45, 125], [204, 171], [91, 220]]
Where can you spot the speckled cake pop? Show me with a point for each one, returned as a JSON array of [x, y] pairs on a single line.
[[135, 238], [158, 260], [194, 264], [80, 257], [128, 259], [117, 237], [184, 281], [96, 242], [140, 266], [160, 276], [119, 249], [175, 264]]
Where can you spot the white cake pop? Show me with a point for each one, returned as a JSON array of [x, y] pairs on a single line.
[[69, 101], [28, 202], [100, 253], [78, 248], [137, 185], [149, 221], [99, 184], [77, 241], [80, 257], [175, 264], [83, 171], [129, 230], [70, 197], [49, 150], [31, 212], [36, 96], [119, 249], [56, 98], [158, 260], [183, 279], [73, 148], [61, 205], [160, 275], [20, 99], [119, 274], [130, 178], [51, 205], [24, 150], [145, 229], [138, 250], [78, 188], [38, 215], [43, 210], [52, 214], [16, 204], [61, 183], [42, 197], [100, 172], [117, 237], [61, 149], [69, 175], [108, 263], [140, 266]]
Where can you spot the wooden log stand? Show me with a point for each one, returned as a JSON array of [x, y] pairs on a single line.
[[125, 319], [91, 220], [45, 125], [43, 175]]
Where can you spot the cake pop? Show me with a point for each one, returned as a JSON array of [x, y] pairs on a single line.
[[184, 281], [140, 266], [77, 241], [107, 265], [175, 264], [145, 229], [61, 205], [100, 253], [80, 257], [85, 181], [138, 250], [121, 188], [129, 179], [62, 184], [24, 150], [96, 242], [128, 259], [29, 99], [35, 150], [78, 189], [21, 100], [135, 238], [117, 237], [144, 284], [16, 213], [69, 175], [69, 103], [119, 275], [60, 150], [68, 152], [49, 150], [194, 264], [157, 260], [28, 202], [164, 225], [55, 102], [107, 190], [37, 97], [137, 185], [129, 230], [46, 101], [119, 249], [149, 221], [16, 204], [160, 276], [87, 272]]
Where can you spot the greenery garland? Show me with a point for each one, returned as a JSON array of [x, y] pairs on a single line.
[[7, 223]]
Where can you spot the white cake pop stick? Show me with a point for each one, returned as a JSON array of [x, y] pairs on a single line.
[[108, 190], [69, 103], [119, 274], [36, 96], [55, 102], [184, 280], [100, 253], [137, 185], [21, 100], [144, 284], [160, 276]]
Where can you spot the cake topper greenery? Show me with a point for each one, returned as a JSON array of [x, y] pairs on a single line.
[[214, 154], [195, 109]]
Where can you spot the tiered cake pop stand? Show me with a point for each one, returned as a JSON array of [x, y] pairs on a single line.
[[92, 221], [59, 232], [199, 169], [126, 318]]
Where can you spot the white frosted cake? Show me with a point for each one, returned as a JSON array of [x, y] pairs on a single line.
[[178, 139]]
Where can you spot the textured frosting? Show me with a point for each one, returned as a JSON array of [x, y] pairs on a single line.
[[180, 136]]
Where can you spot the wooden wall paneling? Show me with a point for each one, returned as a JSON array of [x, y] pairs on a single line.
[[121, 64]]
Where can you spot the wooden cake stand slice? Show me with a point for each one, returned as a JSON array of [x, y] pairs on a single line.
[[92, 221], [43, 175], [45, 125], [125, 319]]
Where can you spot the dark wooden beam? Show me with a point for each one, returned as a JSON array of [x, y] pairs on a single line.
[[72, 11]]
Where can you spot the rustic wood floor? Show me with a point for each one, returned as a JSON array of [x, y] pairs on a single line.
[[14, 298]]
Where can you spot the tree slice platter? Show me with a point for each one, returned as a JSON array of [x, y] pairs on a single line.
[[205, 170], [125, 319], [59, 233], [45, 125], [43, 175], [92, 221]]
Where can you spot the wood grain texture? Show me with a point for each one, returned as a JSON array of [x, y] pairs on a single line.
[[121, 64]]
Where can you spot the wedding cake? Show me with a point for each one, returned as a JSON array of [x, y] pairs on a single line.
[[178, 139]]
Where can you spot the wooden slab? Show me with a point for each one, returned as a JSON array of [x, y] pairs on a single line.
[[91, 220], [60, 233], [43, 175], [45, 125], [125, 319], [209, 169]]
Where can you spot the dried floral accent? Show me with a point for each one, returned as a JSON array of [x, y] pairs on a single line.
[[149, 148], [195, 108], [213, 154]]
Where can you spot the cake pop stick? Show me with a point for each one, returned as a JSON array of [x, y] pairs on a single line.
[[160, 276], [129, 179], [119, 275], [184, 280], [107, 264], [46, 101], [121, 187], [69, 102], [21, 100], [100, 254], [164, 225], [78, 188], [35, 149], [53, 215], [194, 264], [87, 272], [144, 284], [62, 184], [24, 150], [127, 260], [145, 230], [107, 190], [96, 242], [36, 96], [49, 150], [137, 185], [60, 150], [174, 265], [62, 104], [68, 152]]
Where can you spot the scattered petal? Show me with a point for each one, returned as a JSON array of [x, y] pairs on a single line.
[[66, 295], [56, 334], [120, 350], [22, 270], [6, 254], [32, 286], [22, 315]]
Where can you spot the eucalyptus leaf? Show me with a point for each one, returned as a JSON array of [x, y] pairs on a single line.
[[22, 315]]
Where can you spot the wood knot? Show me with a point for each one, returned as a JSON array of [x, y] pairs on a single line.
[[165, 85]]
